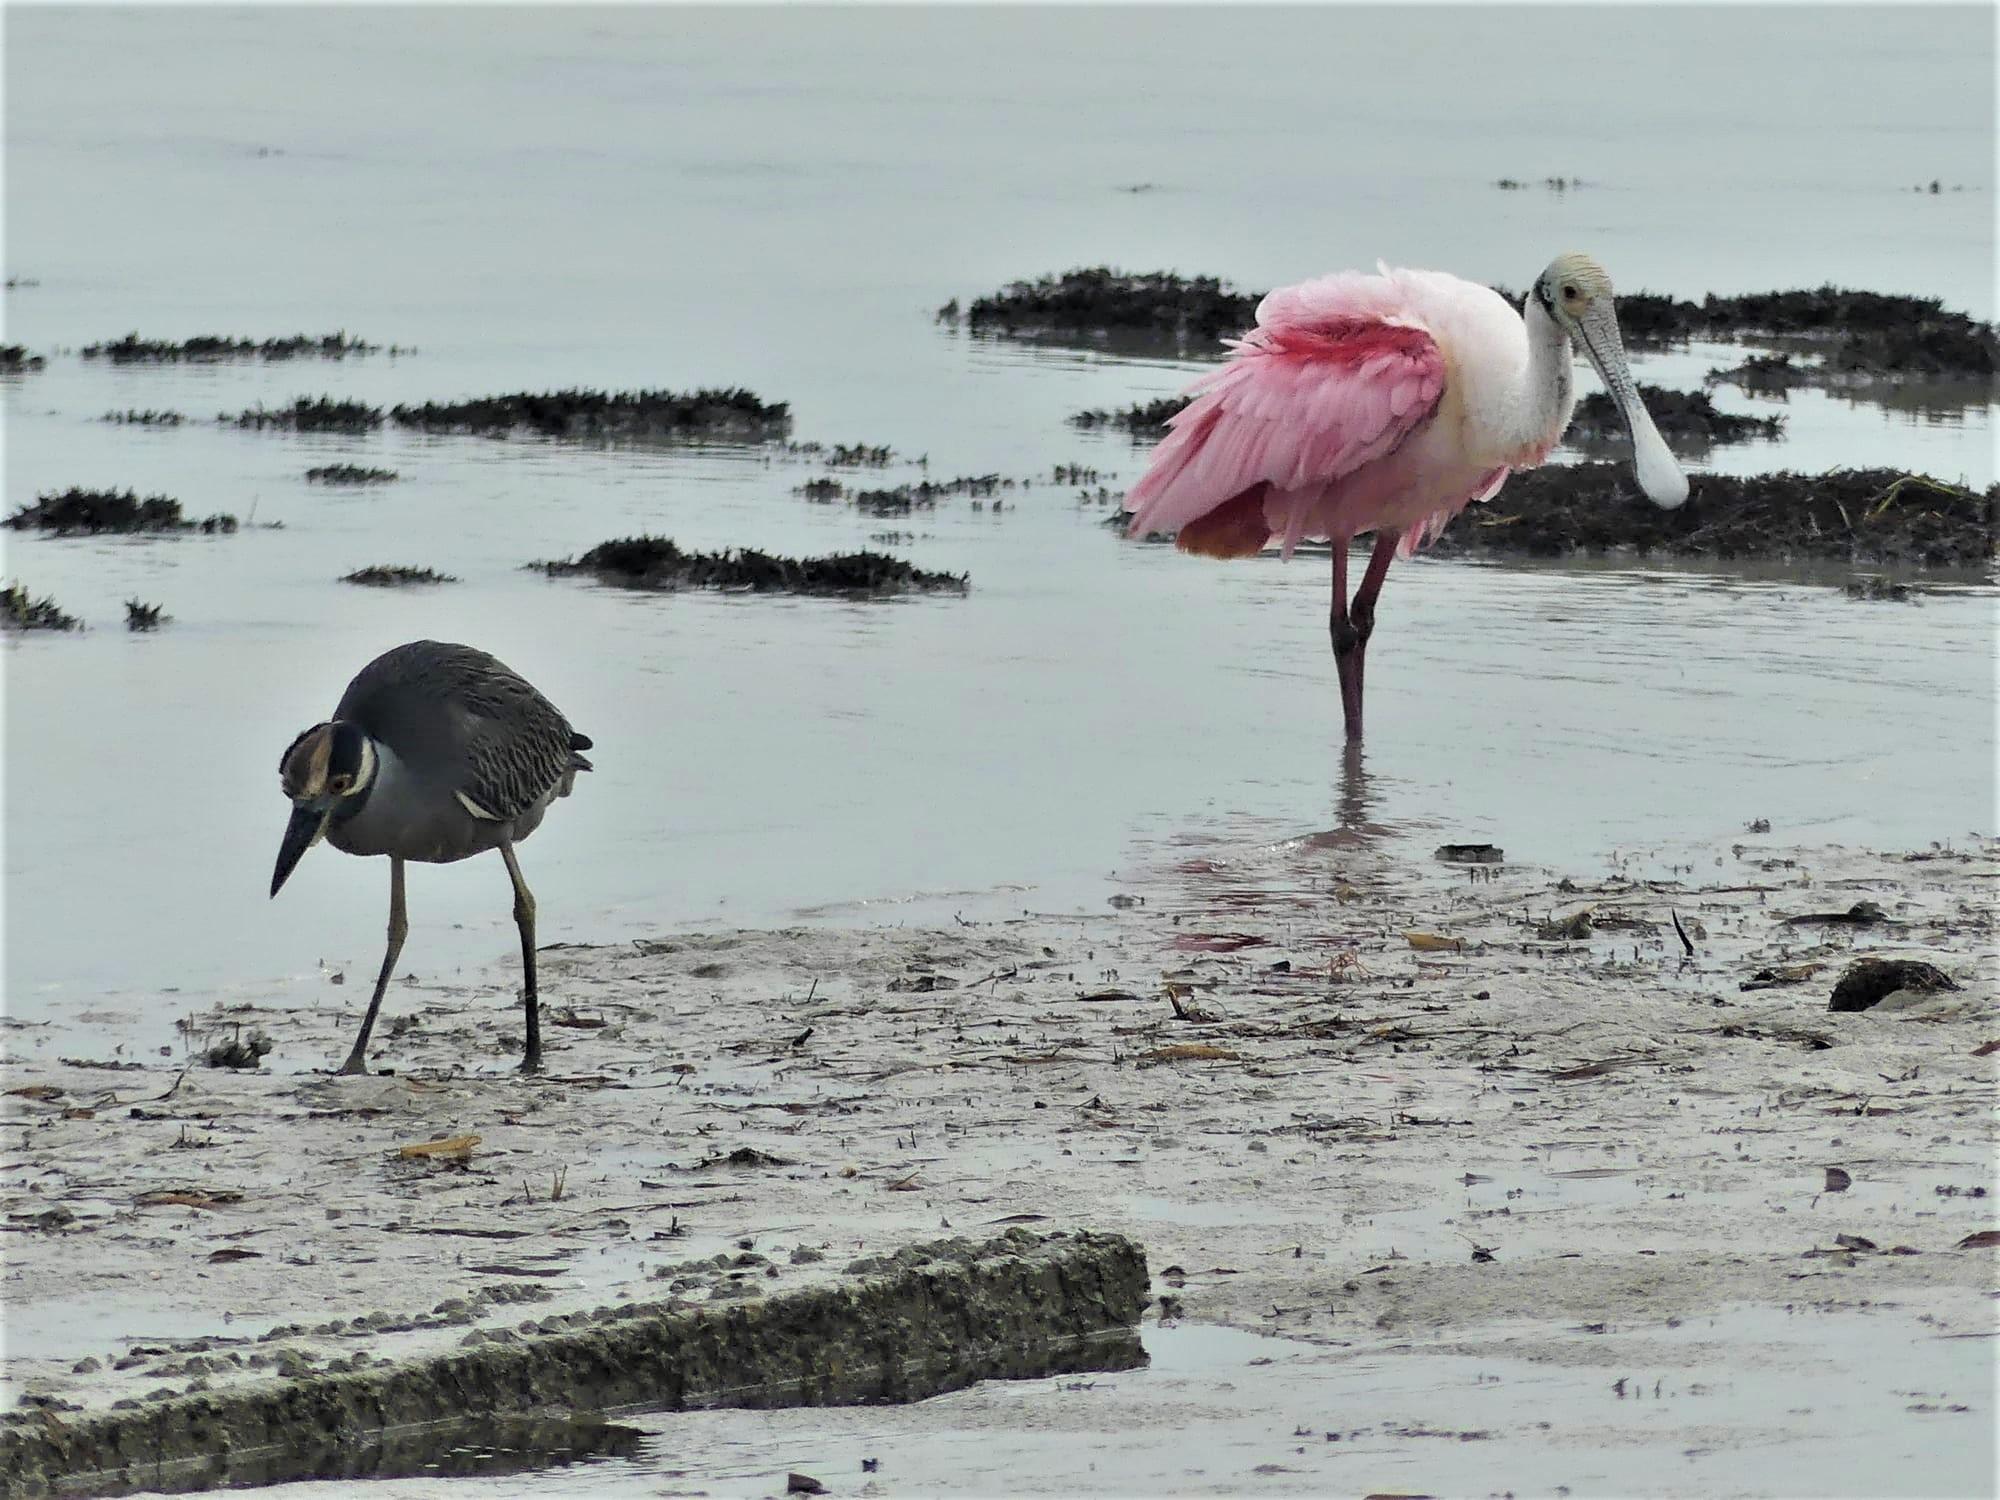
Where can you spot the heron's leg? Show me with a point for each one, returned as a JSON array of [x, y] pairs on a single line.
[[524, 918], [399, 928]]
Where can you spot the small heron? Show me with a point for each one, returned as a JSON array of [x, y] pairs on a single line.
[[436, 753], [1385, 404]]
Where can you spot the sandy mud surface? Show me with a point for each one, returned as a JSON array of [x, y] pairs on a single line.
[[1456, 1110]]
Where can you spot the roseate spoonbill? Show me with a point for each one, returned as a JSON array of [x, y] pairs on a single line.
[[1384, 404]]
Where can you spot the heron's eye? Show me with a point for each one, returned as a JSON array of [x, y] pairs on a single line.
[[341, 783]]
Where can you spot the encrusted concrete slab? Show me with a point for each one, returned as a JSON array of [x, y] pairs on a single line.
[[932, 1317]]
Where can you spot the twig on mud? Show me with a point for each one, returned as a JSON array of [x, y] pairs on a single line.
[[995, 977], [1681, 932]]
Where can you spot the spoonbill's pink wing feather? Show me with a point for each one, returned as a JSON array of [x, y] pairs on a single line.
[[1330, 379]]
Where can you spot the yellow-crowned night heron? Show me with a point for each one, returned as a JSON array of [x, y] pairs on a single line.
[[436, 753]]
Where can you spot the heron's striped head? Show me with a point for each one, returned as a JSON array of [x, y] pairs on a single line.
[[329, 761]]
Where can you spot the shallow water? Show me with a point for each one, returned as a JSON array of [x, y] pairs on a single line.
[[688, 198]]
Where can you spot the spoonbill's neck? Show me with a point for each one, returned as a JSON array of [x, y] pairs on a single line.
[[1548, 390]]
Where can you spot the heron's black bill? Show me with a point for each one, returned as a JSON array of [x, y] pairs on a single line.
[[300, 835]]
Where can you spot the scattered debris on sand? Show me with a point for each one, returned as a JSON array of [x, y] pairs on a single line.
[[93, 511], [309, 414], [1145, 420], [241, 1049], [728, 415], [150, 417], [16, 360], [203, 348], [20, 610], [1688, 420], [389, 576], [1845, 515], [651, 562], [351, 474], [1098, 300], [140, 615]]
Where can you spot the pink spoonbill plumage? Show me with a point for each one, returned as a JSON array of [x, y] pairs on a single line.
[[1385, 404]]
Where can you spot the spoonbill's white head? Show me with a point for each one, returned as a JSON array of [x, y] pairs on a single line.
[[1576, 293]]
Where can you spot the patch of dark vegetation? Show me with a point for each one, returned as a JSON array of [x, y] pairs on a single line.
[[733, 414], [94, 511], [133, 350], [1870, 981], [1553, 184], [1098, 299], [1763, 375], [16, 360], [1145, 420], [1877, 588], [389, 576], [1075, 474], [1847, 515], [142, 616], [243, 1050], [651, 562], [1870, 333], [310, 414], [1687, 419], [844, 455], [901, 499], [20, 610], [348, 474], [147, 418]]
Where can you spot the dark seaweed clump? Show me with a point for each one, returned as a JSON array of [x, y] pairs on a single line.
[[1860, 332], [142, 616], [389, 576], [844, 455], [1688, 419], [132, 349], [19, 610], [1098, 299], [1847, 515], [311, 414], [94, 511], [147, 418], [652, 562], [16, 360], [901, 499], [1145, 420], [735, 413], [348, 474]]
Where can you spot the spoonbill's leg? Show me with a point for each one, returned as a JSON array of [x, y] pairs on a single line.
[[1351, 624], [1347, 643]]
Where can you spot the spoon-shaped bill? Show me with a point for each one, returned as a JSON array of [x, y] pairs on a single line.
[[301, 834], [1659, 475]]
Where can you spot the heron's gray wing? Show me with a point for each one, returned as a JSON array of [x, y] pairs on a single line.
[[458, 715]]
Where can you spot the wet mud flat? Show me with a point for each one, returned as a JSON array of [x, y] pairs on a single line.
[[1407, 1108]]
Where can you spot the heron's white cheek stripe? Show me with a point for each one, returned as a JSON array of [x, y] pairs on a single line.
[[475, 809]]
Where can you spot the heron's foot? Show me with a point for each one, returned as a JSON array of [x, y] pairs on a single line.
[[355, 1066], [531, 1062]]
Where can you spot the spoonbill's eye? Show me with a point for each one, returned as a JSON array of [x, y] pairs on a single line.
[[1570, 294]]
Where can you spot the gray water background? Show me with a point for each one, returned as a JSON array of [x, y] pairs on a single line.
[[685, 197]]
